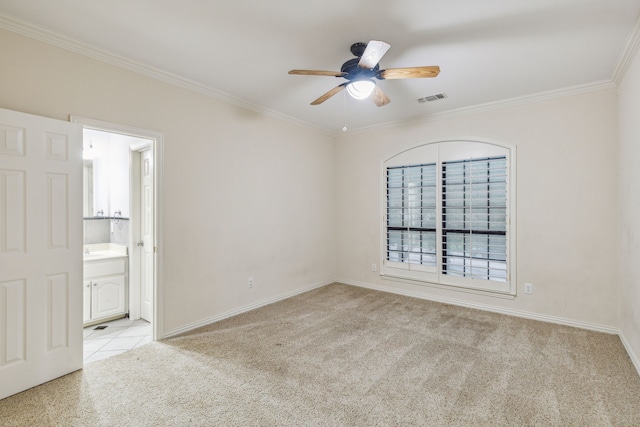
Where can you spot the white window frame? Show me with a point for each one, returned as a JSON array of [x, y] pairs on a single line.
[[439, 152]]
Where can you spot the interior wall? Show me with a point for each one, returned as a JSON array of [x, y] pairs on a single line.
[[629, 181], [245, 195], [566, 205]]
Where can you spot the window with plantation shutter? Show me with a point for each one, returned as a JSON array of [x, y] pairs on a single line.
[[448, 216], [474, 218], [411, 214]]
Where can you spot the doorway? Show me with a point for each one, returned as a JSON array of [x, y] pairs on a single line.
[[130, 202]]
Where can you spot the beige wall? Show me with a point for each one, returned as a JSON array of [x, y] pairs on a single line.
[[566, 204], [629, 172], [245, 195]]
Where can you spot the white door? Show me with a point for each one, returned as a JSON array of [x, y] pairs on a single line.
[[146, 230], [40, 250]]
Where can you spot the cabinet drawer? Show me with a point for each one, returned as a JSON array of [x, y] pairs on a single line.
[[106, 267]]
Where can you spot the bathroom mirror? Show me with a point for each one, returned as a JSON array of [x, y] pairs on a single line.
[[87, 188]]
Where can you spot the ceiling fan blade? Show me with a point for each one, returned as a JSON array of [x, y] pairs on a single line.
[[409, 72], [379, 97], [328, 94], [317, 73], [373, 53]]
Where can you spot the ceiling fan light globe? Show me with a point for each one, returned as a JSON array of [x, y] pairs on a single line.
[[361, 89]]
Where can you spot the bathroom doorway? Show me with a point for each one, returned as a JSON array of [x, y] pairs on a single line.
[[128, 159]]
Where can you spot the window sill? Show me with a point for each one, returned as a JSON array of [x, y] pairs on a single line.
[[468, 290]]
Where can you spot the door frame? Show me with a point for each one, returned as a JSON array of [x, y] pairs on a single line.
[[157, 150]]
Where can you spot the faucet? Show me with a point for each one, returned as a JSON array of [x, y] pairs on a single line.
[[100, 213], [86, 251]]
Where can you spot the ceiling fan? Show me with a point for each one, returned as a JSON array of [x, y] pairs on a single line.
[[361, 70]]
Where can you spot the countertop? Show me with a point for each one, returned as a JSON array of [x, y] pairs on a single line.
[[98, 251]]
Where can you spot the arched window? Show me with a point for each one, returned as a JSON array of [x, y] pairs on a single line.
[[449, 215]]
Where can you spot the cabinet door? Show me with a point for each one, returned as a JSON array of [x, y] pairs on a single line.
[[107, 297], [86, 298]]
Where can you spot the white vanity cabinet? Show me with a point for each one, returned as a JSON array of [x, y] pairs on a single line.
[[105, 289]]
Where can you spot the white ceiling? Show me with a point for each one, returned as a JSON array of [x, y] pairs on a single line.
[[487, 50]]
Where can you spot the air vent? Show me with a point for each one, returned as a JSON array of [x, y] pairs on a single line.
[[431, 98]]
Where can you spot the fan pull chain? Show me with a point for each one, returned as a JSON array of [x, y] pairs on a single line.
[[344, 110]]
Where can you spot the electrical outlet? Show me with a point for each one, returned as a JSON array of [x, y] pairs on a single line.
[[374, 267], [251, 282], [528, 288]]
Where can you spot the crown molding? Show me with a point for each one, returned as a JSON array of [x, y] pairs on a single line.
[[17, 26], [495, 105], [20, 27], [628, 54]]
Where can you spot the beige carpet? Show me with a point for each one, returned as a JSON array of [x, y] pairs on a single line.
[[342, 355]]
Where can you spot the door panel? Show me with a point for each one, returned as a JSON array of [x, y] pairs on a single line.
[[12, 140], [58, 307], [12, 225], [13, 334], [40, 250], [57, 210]]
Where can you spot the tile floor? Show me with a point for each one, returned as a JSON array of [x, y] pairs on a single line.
[[119, 336]]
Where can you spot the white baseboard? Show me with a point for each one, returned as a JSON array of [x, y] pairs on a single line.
[[517, 313], [634, 357], [235, 312], [501, 310]]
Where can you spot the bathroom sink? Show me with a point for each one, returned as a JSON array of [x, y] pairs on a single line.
[[103, 251], [102, 255]]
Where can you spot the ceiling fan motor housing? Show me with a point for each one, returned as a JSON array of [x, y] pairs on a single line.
[[354, 72]]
